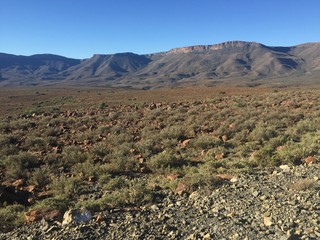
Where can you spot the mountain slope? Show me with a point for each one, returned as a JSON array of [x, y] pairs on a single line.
[[22, 70], [106, 67], [224, 62]]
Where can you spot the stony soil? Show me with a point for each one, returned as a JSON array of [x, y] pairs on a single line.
[[278, 203]]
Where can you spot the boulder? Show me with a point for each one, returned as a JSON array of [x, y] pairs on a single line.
[[77, 216], [44, 213]]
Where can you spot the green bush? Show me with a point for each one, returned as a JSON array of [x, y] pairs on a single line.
[[67, 187], [40, 176], [59, 203], [164, 160], [17, 166], [11, 216], [73, 155]]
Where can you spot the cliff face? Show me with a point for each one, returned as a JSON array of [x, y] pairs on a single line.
[[220, 46]]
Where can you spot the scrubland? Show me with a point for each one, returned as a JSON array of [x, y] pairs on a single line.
[[103, 149]]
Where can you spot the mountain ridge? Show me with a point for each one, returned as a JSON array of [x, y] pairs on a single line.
[[192, 65]]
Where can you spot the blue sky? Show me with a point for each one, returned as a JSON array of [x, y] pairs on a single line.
[[81, 28]]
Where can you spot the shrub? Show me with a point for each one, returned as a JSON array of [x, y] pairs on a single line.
[[163, 160], [51, 132], [84, 170], [40, 176], [205, 141], [199, 179], [172, 132], [303, 184], [17, 165], [34, 143], [11, 216], [131, 193], [262, 133], [119, 164], [73, 155], [67, 187], [59, 203]]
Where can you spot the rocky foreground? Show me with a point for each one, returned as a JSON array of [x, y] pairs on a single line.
[[278, 203]]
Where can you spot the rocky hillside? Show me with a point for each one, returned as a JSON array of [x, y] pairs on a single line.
[[194, 65]]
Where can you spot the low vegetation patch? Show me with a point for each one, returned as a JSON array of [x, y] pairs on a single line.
[[118, 151]]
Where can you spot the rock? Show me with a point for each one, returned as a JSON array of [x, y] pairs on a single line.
[[280, 148], [225, 176], [100, 218], [309, 160], [194, 195], [77, 216], [154, 208], [255, 193], [224, 138], [18, 183], [207, 236], [44, 225], [233, 180], [186, 142], [43, 195], [44, 213], [285, 168], [219, 156], [172, 177], [181, 188], [227, 211], [30, 188], [92, 179], [267, 221]]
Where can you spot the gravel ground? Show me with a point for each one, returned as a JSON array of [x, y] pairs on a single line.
[[279, 203]]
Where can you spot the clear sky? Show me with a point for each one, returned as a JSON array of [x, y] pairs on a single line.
[[81, 28]]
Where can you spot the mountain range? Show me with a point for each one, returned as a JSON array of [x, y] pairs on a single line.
[[234, 62]]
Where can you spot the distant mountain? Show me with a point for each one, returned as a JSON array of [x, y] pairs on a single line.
[[235, 62], [32, 70]]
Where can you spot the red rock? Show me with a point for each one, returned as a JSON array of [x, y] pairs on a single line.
[[43, 195], [172, 177], [46, 213], [30, 188], [181, 188], [224, 138], [309, 160], [280, 148], [219, 156], [18, 183], [185, 142]]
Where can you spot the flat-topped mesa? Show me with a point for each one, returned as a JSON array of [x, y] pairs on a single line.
[[219, 46]]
